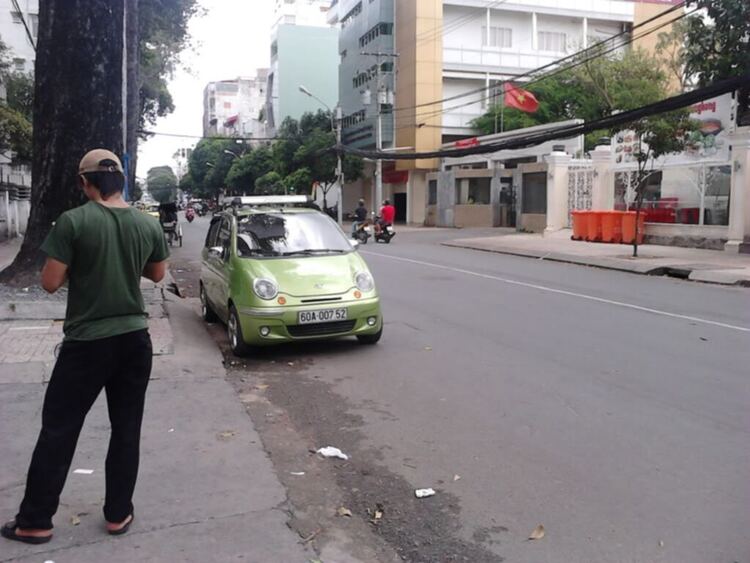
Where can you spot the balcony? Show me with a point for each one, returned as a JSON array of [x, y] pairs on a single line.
[[494, 60]]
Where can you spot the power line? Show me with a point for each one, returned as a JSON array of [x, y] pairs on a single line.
[[592, 48], [146, 132], [558, 70], [521, 140]]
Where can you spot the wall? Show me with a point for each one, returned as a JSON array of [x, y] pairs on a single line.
[[419, 42], [473, 216], [690, 236]]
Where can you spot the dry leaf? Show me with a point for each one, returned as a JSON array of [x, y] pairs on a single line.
[[75, 520], [537, 533], [261, 386], [344, 512], [226, 435], [378, 514], [456, 477]]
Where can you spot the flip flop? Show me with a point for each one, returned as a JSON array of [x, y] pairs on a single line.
[[122, 530], [8, 531]]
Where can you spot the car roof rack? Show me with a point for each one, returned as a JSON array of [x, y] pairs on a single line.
[[269, 200]]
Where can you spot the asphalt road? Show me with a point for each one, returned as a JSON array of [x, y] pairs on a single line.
[[609, 407]]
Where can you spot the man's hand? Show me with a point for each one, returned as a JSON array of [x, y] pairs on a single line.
[[54, 275], [155, 271]]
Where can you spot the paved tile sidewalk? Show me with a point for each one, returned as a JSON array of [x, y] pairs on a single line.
[[710, 266]]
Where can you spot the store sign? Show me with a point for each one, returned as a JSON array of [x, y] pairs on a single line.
[[466, 143], [709, 142]]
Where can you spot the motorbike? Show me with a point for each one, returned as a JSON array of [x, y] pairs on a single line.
[[385, 233], [189, 214], [362, 233]]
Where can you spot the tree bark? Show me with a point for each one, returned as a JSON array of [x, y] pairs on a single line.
[[134, 88], [77, 107]]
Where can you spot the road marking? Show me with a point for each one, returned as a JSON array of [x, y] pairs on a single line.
[[562, 292]]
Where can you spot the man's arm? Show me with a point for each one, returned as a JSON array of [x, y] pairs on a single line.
[[155, 271], [54, 275]]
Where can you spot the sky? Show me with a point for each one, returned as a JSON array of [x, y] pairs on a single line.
[[232, 39]]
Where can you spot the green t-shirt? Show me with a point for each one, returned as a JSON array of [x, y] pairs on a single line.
[[105, 249]]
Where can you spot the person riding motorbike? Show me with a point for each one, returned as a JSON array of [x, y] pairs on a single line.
[[190, 214], [387, 215], [360, 216]]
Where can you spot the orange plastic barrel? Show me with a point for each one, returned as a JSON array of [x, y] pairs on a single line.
[[628, 227], [594, 226], [580, 224], [611, 226]]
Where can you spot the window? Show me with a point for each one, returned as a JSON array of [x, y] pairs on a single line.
[[553, 41], [19, 64], [479, 191], [224, 236], [376, 31], [534, 198], [34, 18], [498, 37], [17, 17], [213, 229], [432, 192], [279, 234], [343, 55]]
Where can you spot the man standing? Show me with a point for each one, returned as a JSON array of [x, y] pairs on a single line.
[[102, 249]]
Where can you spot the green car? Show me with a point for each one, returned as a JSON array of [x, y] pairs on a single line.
[[278, 272]]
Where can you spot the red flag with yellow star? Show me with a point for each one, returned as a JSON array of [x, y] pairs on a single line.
[[520, 99]]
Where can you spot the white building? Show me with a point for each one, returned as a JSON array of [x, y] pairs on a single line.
[[233, 108], [483, 45], [18, 30], [300, 12]]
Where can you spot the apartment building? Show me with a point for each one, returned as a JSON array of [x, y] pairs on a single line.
[[19, 24], [304, 52], [234, 108], [448, 48]]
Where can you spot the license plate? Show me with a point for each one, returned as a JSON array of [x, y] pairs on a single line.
[[322, 316]]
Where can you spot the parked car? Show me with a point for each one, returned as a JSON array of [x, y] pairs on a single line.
[[277, 271]]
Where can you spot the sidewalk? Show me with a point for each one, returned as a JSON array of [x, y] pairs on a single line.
[[206, 491], [710, 266]]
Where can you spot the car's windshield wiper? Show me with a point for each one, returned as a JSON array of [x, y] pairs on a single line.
[[311, 251]]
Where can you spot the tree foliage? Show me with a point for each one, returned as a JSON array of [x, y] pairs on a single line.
[[596, 89], [162, 184], [300, 156], [16, 111], [163, 36]]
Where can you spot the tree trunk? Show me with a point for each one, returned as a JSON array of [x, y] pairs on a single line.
[[134, 89], [77, 107]]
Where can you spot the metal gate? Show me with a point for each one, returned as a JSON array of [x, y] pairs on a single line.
[[580, 186]]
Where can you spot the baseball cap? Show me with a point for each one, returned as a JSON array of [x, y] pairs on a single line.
[[100, 160]]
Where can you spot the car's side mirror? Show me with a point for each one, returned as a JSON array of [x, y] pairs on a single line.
[[354, 243]]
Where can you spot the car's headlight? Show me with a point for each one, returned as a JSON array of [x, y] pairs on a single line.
[[265, 288], [364, 281]]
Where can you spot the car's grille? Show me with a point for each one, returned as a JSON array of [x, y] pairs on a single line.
[[321, 300], [321, 329]]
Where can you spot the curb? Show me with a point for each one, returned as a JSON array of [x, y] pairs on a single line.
[[679, 271]]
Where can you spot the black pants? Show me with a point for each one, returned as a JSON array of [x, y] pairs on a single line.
[[122, 366]]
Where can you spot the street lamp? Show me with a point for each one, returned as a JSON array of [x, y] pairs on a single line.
[[336, 127]]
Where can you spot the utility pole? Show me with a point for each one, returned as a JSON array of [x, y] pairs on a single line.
[[381, 98]]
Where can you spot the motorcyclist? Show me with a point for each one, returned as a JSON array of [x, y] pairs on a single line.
[[387, 215], [360, 216]]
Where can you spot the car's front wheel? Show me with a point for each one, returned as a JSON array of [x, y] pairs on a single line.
[[234, 332], [370, 338], [206, 311]]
